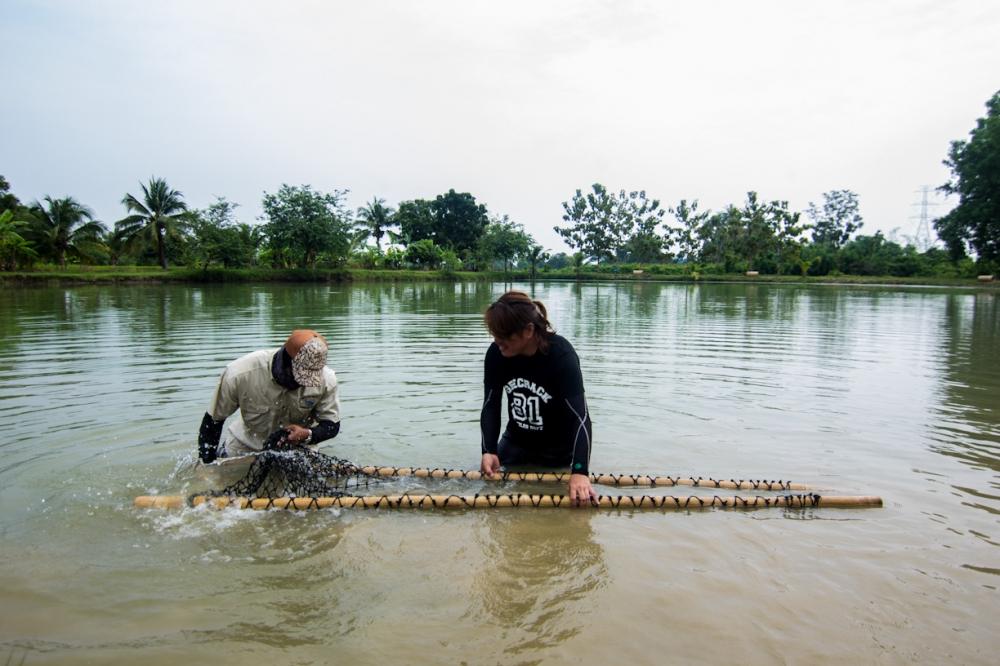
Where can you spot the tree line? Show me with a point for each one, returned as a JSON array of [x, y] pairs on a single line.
[[300, 228], [608, 231]]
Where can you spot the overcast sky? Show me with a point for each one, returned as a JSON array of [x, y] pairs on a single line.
[[519, 103]]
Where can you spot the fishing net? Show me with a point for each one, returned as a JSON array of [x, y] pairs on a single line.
[[283, 470]]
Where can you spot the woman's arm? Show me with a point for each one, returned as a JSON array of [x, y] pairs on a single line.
[[489, 416], [580, 433], [489, 426]]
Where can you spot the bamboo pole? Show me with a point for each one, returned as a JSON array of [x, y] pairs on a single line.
[[620, 480], [407, 501]]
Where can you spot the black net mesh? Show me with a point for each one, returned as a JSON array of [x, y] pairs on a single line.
[[297, 473]]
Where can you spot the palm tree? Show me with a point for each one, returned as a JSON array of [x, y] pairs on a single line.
[[536, 255], [13, 247], [65, 225], [160, 212], [374, 219], [114, 245]]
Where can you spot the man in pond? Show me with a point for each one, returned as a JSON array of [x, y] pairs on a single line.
[[287, 397]]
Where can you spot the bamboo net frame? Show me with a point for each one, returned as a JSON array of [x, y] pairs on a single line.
[[407, 501], [618, 480]]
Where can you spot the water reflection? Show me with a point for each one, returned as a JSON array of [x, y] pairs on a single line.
[[967, 420], [540, 575]]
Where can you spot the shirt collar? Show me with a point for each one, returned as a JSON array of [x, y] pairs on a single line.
[[281, 369]]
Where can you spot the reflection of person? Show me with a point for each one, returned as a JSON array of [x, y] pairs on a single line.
[[287, 389], [545, 569], [539, 371]]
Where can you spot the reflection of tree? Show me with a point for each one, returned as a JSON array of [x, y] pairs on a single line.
[[967, 423], [602, 312], [64, 310], [755, 302], [543, 566], [645, 298]]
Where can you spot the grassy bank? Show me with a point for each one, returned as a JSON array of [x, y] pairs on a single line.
[[155, 275]]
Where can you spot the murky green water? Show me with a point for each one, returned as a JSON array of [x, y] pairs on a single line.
[[856, 390]]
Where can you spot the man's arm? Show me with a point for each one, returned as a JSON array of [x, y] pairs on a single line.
[[208, 438], [323, 431], [224, 403], [326, 414]]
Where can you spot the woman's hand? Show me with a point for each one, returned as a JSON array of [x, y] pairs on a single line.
[[580, 491], [490, 465]]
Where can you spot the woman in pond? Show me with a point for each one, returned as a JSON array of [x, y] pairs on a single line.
[[539, 371]]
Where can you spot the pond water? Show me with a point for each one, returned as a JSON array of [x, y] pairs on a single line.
[[854, 390]]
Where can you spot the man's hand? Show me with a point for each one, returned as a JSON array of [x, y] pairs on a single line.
[[277, 440], [286, 437], [490, 465], [297, 433], [580, 491]]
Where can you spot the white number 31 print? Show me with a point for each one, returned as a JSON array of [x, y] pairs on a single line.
[[526, 409]]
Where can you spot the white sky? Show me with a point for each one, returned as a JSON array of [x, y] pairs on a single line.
[[519, 103]]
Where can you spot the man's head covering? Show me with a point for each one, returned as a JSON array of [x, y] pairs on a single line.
[[308, 351], [308, 364]]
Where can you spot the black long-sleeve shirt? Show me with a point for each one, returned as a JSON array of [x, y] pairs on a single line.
[[546, 406]]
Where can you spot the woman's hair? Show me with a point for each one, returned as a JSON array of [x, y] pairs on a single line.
[[512, 312]]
